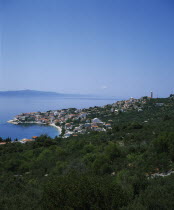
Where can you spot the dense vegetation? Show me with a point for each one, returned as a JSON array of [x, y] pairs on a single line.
[[111, 170]]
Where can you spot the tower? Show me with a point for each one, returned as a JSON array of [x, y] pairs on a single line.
[[151, 94]]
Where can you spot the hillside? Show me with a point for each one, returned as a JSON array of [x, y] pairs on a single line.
[[127, 167]]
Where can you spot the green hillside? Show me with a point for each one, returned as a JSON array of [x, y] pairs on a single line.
[[127, 167]]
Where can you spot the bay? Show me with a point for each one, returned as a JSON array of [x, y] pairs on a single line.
[[12, 106]]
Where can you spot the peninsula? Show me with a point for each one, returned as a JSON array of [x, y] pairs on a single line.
[[72, 121], [131, 158]]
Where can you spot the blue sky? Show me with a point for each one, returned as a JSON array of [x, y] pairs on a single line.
[[118, 48]]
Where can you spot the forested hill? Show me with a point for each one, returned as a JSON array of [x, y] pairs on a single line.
[[127, 167]]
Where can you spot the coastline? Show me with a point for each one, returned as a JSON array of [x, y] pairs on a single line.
[[51, 124], [58, 128]]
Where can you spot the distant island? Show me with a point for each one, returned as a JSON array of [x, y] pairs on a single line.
[[37, 93], [33, 93]]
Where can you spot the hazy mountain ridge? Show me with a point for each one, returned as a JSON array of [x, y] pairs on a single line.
[[31, 93], [37, 93]]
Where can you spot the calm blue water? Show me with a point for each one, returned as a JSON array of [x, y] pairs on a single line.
[[10, 107]]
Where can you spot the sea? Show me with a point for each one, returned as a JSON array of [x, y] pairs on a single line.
[[12, 106]]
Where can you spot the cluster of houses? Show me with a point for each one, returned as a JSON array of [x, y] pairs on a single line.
[[74, 121], [23, 141], [131, 104], [85, 126]]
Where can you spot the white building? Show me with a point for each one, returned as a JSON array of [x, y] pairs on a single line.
[[96, 120]]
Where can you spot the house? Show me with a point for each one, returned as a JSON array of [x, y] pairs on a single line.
[[83, 115], [23, 141], [108, 125], [67, 125], [76, 129], [87, 125], [2, 143], [68, 134], [100, 129], [96, 120], [94, 127], [83, 131]]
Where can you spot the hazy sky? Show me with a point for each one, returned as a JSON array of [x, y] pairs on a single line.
[[117, 48]]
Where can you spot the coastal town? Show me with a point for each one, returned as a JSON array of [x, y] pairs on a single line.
[[72, 121]]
